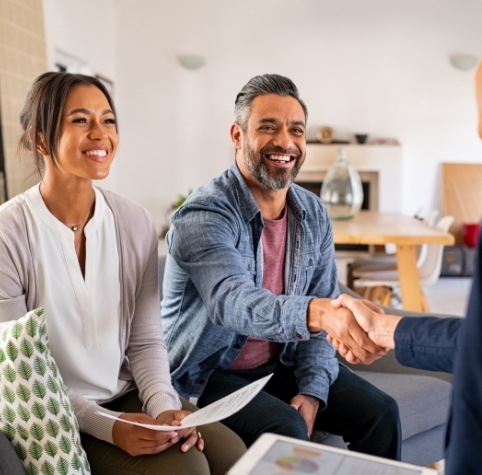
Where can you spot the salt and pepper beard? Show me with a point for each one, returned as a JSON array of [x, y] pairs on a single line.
[[277, 180]]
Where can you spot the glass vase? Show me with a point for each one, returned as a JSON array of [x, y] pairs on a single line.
[[341, 191]]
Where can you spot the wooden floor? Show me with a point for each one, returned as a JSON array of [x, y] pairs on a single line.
[[449, 295]]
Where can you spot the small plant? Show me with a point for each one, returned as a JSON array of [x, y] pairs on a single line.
[[180, 200], [173, 207]]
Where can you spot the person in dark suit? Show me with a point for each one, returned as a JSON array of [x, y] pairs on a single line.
[[464, 436], [439, 344], [447, 344]]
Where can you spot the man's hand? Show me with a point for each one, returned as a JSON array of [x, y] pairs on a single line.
[[307, 406], [341, 326], [350, 357], [379, 327]]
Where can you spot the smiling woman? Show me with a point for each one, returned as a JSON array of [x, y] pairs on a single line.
[[88, 257]]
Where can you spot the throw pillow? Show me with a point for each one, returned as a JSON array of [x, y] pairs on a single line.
[[35, 411]]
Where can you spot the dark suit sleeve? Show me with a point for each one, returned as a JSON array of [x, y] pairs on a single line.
[[464, 437], [428, 343]]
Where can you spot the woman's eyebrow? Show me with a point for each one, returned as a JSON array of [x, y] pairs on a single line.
[[87, 111]]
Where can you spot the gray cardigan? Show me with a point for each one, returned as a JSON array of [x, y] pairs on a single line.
[[144, 353]]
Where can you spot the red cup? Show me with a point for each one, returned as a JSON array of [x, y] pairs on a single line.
[[470, 234]]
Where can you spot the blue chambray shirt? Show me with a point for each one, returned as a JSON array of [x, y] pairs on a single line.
[[213, 299]]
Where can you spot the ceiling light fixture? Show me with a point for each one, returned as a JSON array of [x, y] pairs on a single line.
[[463, 62], [191, 61]]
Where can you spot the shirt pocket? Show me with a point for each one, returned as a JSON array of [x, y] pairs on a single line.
[[250, 267], [310, 262]]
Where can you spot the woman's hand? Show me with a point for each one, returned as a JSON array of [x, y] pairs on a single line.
[[137, 440], [191, 435]]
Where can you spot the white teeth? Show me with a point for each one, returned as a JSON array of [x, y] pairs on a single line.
[[98, 153], [280, 158]]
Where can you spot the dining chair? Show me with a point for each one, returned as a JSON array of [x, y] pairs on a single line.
[[381, 285]]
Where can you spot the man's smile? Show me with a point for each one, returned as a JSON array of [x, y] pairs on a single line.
[[280, 158]]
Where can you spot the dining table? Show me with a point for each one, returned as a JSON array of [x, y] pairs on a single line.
[[405, 232]]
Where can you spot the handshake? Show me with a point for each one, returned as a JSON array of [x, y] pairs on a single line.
[[358, 329]]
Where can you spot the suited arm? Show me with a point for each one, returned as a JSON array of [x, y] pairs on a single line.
[[428, 343]]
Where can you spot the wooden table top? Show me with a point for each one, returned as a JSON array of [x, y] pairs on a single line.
[[375, 227]]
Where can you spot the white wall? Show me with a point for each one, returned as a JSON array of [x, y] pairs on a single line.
[[84, 30], [361, 66]]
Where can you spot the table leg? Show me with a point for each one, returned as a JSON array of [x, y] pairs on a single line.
[[409, 277]]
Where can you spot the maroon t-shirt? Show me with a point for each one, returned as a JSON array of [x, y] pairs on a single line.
[[258, 352]]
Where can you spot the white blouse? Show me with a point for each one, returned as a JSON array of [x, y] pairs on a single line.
[[83, 316]]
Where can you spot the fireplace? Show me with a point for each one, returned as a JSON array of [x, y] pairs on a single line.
[[369, 182], [379, 167]]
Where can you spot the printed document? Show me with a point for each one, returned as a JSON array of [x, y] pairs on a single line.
[[214, 412]]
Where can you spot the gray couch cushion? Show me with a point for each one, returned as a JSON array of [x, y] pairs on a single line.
[[423, 401], [424, 404], [10, 463]]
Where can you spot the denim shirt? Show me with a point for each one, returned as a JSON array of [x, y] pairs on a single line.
[[212, 293]]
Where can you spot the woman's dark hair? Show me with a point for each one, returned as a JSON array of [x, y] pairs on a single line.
[[42, 113], [258, 86]]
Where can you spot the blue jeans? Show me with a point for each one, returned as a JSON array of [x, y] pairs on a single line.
[[366, 418]]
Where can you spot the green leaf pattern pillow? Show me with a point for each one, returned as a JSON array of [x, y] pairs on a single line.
[[35, 411]]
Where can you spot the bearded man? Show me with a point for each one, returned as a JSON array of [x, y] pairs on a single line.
[[249, 277]]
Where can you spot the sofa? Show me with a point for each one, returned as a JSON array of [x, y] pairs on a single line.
[[10, 463], [423, 399]]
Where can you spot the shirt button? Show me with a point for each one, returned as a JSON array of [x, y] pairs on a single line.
[[298, 336]]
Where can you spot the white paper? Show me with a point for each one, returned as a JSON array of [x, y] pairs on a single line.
[[215, 412]]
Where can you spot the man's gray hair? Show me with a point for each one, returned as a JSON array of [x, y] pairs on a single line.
[[258, 86]]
